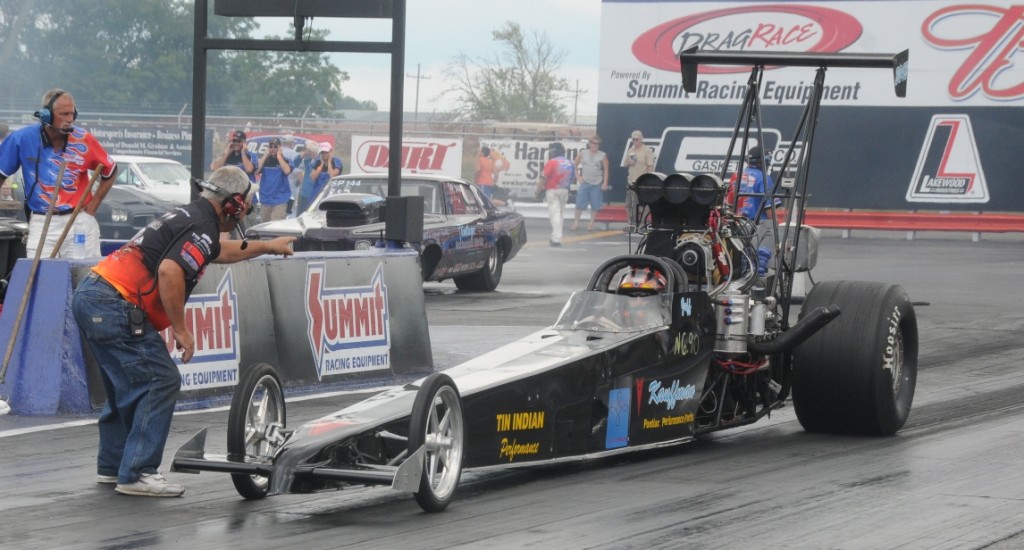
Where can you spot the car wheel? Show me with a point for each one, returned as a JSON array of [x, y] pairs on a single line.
[[858, 374], [437, 426], [488, 277], [257, 415]]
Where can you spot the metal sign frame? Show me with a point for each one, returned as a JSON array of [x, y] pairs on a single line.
[[386, 9]]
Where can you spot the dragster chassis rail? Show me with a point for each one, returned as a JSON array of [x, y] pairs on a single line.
[[191, 458]]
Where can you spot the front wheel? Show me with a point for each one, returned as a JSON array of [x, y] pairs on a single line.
[[858, 374], [437, 426], [254, 422]]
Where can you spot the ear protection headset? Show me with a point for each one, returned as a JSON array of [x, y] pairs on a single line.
[[45, 114], [234, 203]]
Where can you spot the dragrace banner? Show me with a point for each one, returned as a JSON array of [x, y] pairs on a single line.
[[949, 145]]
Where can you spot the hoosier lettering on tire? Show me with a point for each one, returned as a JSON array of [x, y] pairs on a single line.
[[858, 374]]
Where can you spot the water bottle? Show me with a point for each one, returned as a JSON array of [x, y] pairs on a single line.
[[78, 240]]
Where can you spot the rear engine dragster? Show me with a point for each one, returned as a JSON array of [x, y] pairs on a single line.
[[686, 336], [851, 359]]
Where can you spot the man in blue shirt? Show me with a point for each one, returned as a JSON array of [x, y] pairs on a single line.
[[753, 183], [237, 154], [323, 169], [302, 165], [274, 189]]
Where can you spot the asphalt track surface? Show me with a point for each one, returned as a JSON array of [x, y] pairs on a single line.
[[950, 479]]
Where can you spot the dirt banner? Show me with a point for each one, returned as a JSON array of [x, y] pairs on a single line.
[[372, 154]]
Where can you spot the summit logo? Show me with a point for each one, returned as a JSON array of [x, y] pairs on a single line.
[[349, 328], [949, 168]]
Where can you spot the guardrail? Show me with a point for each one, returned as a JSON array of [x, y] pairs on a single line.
[[874, 220]]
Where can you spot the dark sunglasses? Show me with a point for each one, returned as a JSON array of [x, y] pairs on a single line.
[[236, 141], [274, 146]]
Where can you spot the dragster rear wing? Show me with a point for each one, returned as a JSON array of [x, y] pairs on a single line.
[[690, 59]]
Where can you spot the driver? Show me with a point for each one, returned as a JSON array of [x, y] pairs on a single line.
[[640, 282]]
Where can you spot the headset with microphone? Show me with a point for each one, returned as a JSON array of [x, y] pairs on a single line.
[[45, 114], [233, 204]]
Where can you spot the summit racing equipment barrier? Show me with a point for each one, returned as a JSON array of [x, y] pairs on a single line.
[[323, 320]]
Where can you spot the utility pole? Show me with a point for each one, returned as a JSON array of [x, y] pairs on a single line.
[[416, 116], [576, 99]]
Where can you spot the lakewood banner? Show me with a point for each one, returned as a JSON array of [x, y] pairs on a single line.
[[951, 144]]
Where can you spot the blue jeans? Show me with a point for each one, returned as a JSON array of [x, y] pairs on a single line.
[[140, 378]]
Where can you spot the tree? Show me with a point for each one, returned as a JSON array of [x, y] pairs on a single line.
[[285, 83], [517, 83], [133, 56]]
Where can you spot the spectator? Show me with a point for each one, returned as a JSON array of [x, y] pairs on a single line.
[[485, 176], [125, 302], [592, 165], [753, 184], [288, 148], [298, 174], [639, 161], [38, 152], [237, 153], [302, 168], [275, 190], [554, 182], [501, 164], [325, 168]]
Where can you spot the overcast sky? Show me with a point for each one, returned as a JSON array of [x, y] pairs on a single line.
[[438, 30]]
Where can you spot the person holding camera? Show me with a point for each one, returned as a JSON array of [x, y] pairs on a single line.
[[323, 169], [275, 191], [130, 297], [639, 161], [236, 153]]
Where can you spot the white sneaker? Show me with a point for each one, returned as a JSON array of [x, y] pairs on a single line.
[[106, 480], [151, 485]]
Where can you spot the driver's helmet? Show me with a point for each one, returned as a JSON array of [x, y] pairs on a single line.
[[642, 281]]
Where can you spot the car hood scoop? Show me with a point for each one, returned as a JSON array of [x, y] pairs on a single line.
[[352, 209]]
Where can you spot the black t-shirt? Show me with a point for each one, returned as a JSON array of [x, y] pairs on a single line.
[[188, 235]]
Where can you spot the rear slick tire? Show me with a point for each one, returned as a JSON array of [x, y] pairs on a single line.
[[857, 375], [437, 425]]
